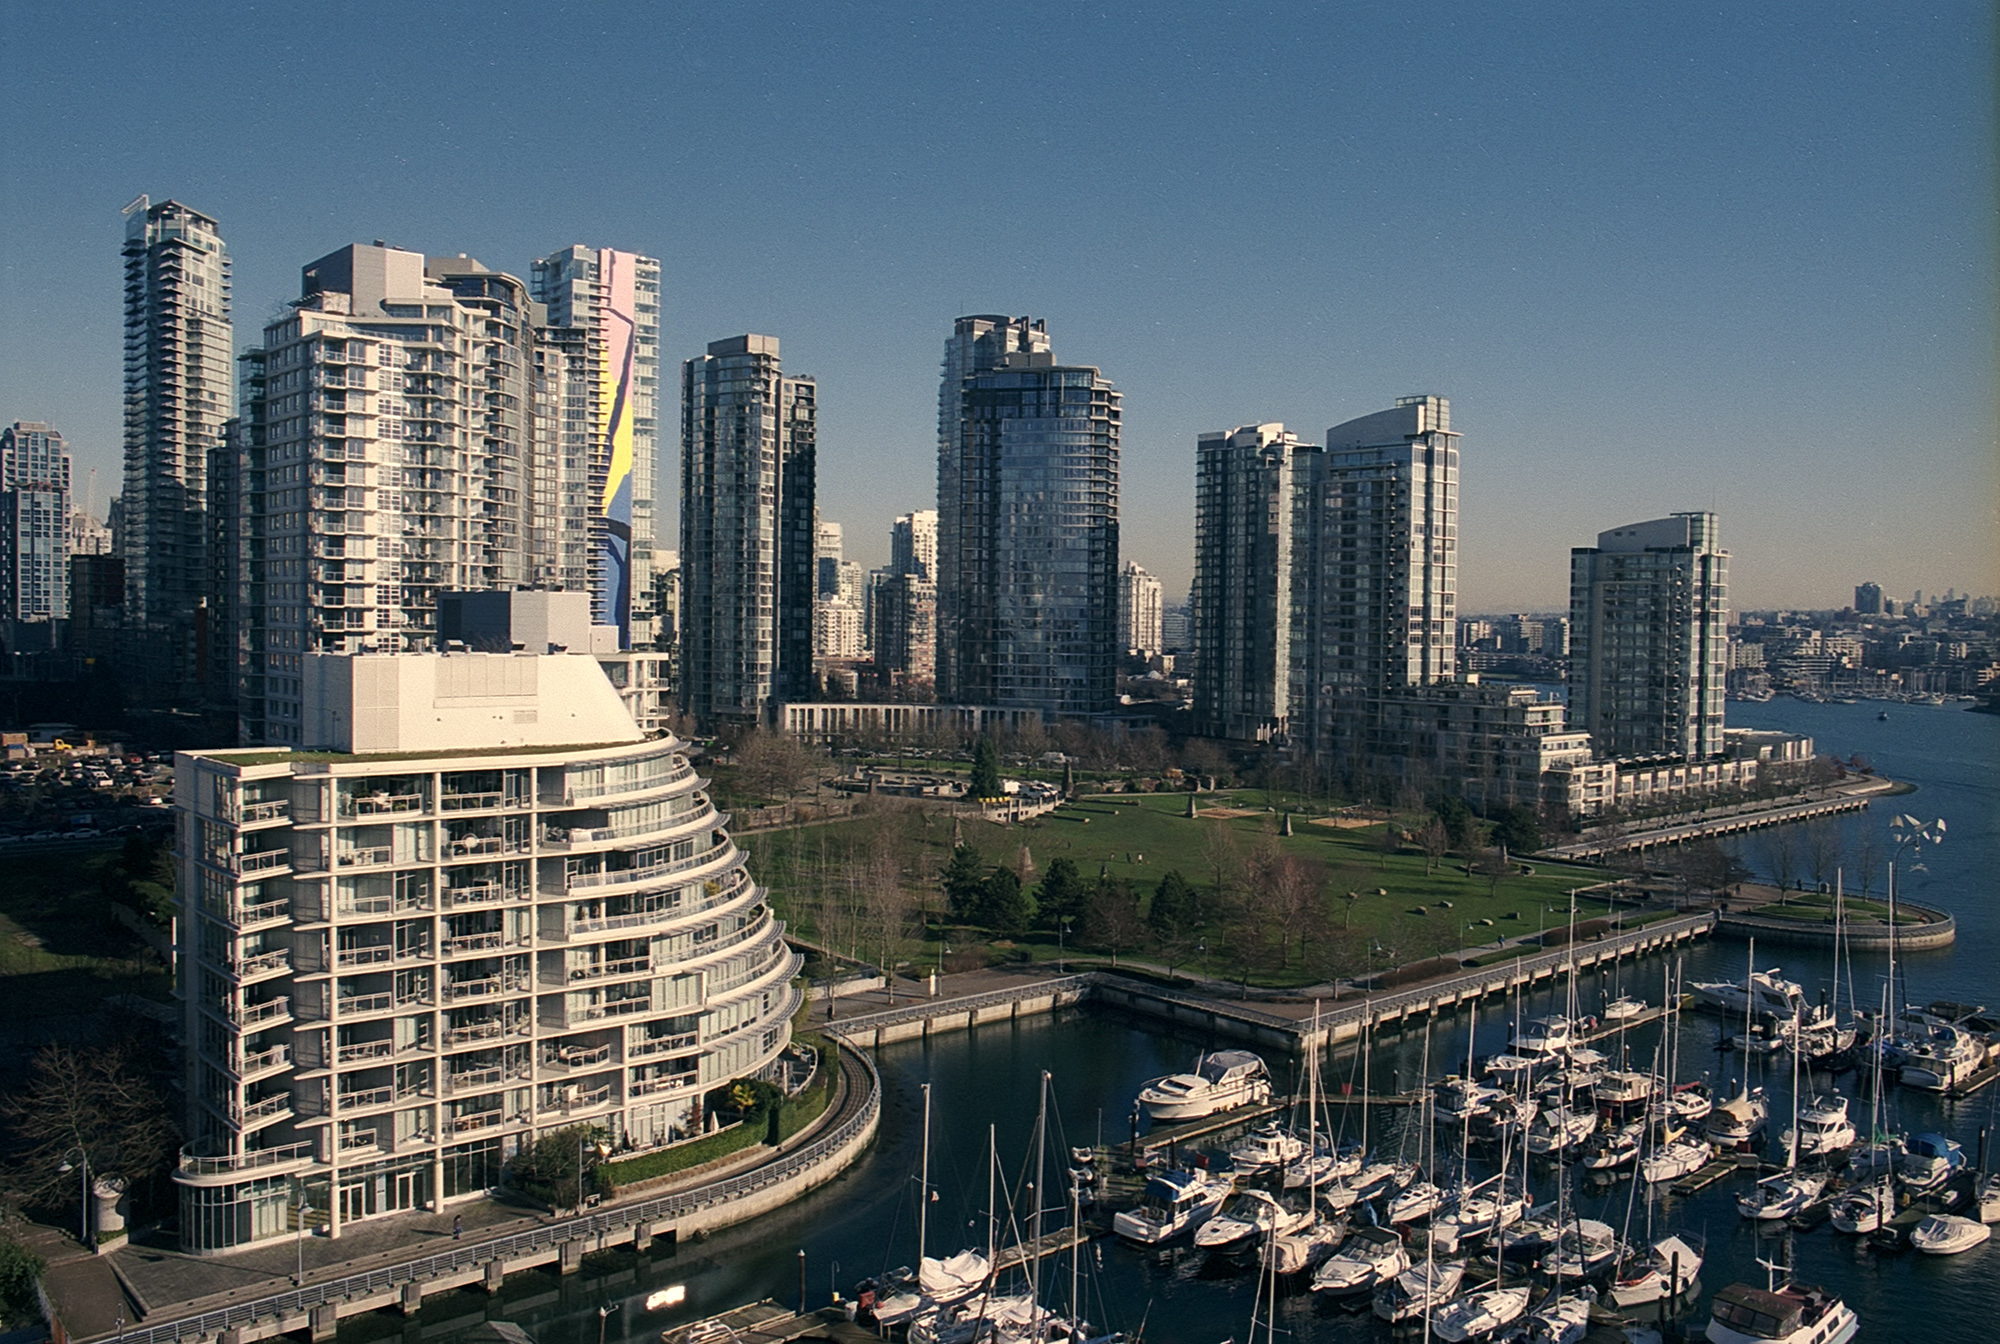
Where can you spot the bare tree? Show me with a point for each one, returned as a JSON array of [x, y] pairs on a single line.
[[1436, 841], [1822, 846], [1224, 858], [97, 1106], [1868, 861], [1294, 887], [1781, 855]]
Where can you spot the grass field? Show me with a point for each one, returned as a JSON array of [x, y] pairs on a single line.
[[61, 951], [1139, 838], [1810, 907]]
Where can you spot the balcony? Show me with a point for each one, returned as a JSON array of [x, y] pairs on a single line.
[[485, 1031], [472, 1124], [485, 987], [261, 965], [582, 1101], [361, 858], [365, 1050], [481, 1080], [474, 942], [356, 1004], [609, 970], [264, 861], [251, 1067], [380, 955], [247, 917], [362, 1099], [637, 919], [260, 1113], [478, 893], [599, 1012], [475, 802], [474, 846], [367, 1141], [663, 1045], [254, 814], [653, 1087], [255, 1016], [202, 1170], [578, 1057], [381, 804]]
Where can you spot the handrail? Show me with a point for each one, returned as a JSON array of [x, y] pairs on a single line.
[[475, 1255]]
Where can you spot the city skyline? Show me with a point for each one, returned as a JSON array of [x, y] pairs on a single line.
[[1728, 282]]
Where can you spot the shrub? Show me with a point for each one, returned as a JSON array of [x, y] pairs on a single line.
[[1590, 928], [695, 1152]]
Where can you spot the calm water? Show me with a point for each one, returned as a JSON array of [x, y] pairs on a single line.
[[866, 1221]]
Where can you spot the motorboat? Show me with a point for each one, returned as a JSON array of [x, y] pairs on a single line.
[[1559, 1320], [1479, 1314], [1948, 1234], [1690, 1102], [1381, 1178], [1767, 994], [1737, 1122], [1322, 1166], [1541, 1038], [1531, 1237], [1823, 1129], [1369, 1256], [1989, 1198], [954, 1278], [1781, 1196], [1268, 1147], [1559, 1129], [1510, 1069], [1614, 1148], [1174, 1202], [1247, 1214], [1221, 1081], [1671, 1161], [1508, 1118], [1668, 1270], [1949, 1056], [1880, 1156], [1461, 1099], [1622, 1090], [1414, 1202], [1793, 1314], [1585, 1247], [1623, 1009], [1475, 1214], [1417, 1290], [1929, 1160], [1866, 1209], [1303, 1248]]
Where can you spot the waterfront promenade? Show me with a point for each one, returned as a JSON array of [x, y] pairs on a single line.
[[1602, 842]]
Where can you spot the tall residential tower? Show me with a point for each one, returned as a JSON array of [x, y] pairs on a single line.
[[34, 523]]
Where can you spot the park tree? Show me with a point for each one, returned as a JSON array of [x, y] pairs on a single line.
[[1112, 917], [1176, 910], [1224, 858], [1459, 825], [964, 883], [1868, 861], [986, 768], [1292, 898], [1781, 856], [1431, 836], [1061, 895], [99, 1103], [771, 766], [1822, 850], [1006, 908], [1519, 829]]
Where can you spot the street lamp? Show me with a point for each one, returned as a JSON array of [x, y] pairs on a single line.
[[81, 1159], [1062, 927], [1202, 947], [602, 1313], [305, 1211]]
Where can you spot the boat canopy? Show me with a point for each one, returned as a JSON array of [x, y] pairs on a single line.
[[1230, 1063]]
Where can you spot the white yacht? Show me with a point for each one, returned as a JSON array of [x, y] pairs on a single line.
[[1624, 1008], [1303, 1247], [1174, 1202], [1540, 1038], [1738, 1121], [1415, 1201], [1793, 1314], [1369, 1256], [1948, 1234], [1268, 1147], [1614, 1148], [954, 1278], [1768, 995], [1823, 1129], [1322, 1166], [1865, 1209], [1667, 1271], [1929, 1160], [1584, 1247], [1560, 1320], [1942, 1061], [1481, 1313], [1460, 1099], [1691, 1102], [1247, 1214], [1989, 1198], [1222, 1081], [1781, 1196], [1671, 1161], [1417, 1290], [1622, 1089], [1559, 1129]]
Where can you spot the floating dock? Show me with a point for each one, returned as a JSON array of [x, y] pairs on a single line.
[[768, 1323]]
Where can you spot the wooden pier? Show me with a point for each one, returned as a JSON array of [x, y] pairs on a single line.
[[768, 1323], [1189, 1130], [1049, 1243]]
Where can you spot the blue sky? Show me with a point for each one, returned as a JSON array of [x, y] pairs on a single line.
[[1738, 257]]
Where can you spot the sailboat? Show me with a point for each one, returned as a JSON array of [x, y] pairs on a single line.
[[1304, 1247], [1792, 1190], [1738, 1121], [956, 1277], [1783, 1312]]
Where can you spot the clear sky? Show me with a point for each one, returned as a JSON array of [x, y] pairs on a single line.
[[1660, 256]]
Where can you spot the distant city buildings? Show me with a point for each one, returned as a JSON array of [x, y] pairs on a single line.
[[34, 525], [1028, 524], [1648, 610], [1140, 610], [748, 560], [903, 608], [1868, 599]]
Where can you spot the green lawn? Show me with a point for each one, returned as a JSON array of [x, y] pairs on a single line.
[[1811, 907], [1139, 838], [61, 951]]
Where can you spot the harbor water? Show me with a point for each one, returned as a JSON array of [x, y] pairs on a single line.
[[985, 1087]]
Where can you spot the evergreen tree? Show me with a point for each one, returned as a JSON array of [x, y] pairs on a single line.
[[1176, 909], [1006, 909], [985, 769], [964, 882], [1519, 829], [1061, 895]]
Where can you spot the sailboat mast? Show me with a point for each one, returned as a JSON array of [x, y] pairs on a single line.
[[1041, 1144], [924, 1185], [992, 1207]]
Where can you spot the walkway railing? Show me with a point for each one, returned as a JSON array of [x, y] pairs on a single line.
[[522, 1245]]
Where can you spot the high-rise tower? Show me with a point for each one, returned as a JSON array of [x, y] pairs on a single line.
[[34, 523], [1244, 574], [748, 452], [601, 374], [1649, 654], [1028, 527], [178, 392], [976, 345]]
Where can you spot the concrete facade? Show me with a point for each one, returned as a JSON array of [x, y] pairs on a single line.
[[34, 523]]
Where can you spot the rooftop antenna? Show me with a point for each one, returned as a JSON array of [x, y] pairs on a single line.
[[140, 202]]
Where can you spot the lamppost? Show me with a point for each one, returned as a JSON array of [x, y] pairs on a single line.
[[1202, 947], [72, 1160], [305, 1211], [1062, 928], [602, 1313]]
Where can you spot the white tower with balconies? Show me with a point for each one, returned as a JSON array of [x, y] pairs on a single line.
[[478, 906]]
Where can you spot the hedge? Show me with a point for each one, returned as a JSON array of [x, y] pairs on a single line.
[[1590, 928], [732, 1139]]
